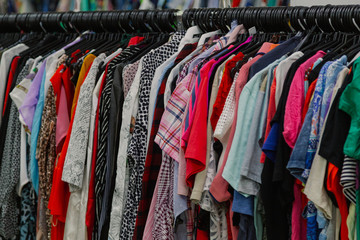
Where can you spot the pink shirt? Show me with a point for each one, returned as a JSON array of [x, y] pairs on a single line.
[[295, 101], [219, 186], [298, 223], [63, 121], [195, 153]]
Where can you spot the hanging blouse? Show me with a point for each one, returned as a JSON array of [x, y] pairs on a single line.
[[137, 147], [10, 170]]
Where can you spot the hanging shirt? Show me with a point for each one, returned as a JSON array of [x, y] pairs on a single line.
[[10, 170], [295, 101], [323, 92], [57, 204], [276, 53], [18, 95], [27, 110], [219, 186], [245, 112], [129, 114], [137, 147], [5, 63], [102, 154], [63, 119], [196, 66], [189, 38], [195, 153], [349, 105], [153, 157], [46, 155], [207, 174], [90, 210], [10, 80], [77, 154], [224, 88], [88, 60], [251, 167]]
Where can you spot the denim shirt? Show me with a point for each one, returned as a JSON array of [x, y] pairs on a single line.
[[322, 95]]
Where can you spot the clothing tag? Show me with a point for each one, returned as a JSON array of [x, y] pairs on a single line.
[[298, 34], [252, 31]]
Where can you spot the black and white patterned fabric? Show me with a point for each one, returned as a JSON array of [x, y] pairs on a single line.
[[138, 142], [10, 171], [104, 110], [28, 212], [348, 178]]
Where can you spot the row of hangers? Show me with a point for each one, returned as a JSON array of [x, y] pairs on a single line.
[[318, 32], [127, 21], [329, 18]]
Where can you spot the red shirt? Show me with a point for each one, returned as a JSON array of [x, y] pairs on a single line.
[[13, 66], [195, 154], [224, 89], [270, 114], [333, 185], [59, 196], [135, 40], [56, 82]]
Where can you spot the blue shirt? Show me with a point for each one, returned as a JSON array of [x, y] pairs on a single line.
[[322, 95], [34, 168]]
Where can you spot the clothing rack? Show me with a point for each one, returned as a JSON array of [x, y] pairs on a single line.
[[328, 18]]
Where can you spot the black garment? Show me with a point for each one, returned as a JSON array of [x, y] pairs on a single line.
[[334, 136], [276, 53], [218, 148], [114, 121], [336, 130], [283, 151], [76, 70], [203, 221], [247, 228], [277, 182], [101, 155], [98, 75], [117, 100]]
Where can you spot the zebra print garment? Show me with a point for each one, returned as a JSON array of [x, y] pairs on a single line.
[[104, 110]]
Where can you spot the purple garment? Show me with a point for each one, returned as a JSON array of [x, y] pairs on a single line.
[[27, 109], [72, 43]]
